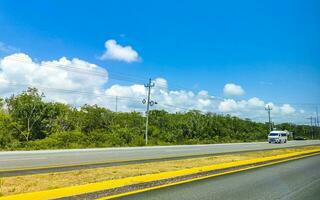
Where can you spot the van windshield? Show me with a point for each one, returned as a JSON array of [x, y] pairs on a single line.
[[273, 134]]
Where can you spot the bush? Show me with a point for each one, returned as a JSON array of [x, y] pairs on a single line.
[[62, 140]]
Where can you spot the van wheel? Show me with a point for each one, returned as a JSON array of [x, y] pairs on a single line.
[[285, 141]]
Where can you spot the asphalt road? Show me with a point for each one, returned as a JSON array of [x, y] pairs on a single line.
[[47, 158], [299, 179]]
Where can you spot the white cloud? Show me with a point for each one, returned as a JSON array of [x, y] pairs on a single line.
[[161, 82], [18, 71], [254, 108], [255, 101], [228, 105], [231, 89], [243, 106], [270, 105], [131, 91], [129, 97], [115, 51], [287, 109]]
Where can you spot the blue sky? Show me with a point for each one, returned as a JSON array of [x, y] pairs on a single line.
[[270, 48]]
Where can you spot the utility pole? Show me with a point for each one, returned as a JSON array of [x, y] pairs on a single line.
[[317, 119], [149, 103], [268, 108], [311, 127], [316, 122], [315, 130]]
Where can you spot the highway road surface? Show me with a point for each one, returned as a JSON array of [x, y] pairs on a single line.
[[47, 158], [298, 179]]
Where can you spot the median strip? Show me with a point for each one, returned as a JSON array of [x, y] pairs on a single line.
[[90, 165], [112, 187]]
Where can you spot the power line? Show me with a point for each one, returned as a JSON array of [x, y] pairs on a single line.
[[95, 72], [131, 79], [86, 93], [177, 107], [66, 67], [134, 79], [73, 91]]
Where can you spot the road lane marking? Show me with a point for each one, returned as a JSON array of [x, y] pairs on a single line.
[[18, 159], [146, 159], [109, 184], [307, 142], [200, 178]]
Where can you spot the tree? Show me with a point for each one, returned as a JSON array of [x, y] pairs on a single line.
[[30, 122], [1, 103], [28, 111], [7, 133], [95, 117]]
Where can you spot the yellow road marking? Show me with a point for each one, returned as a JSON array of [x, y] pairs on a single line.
[[109, 184], [200, 178]]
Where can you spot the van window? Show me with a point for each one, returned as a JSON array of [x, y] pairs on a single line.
[[283, 134], [273, 134]]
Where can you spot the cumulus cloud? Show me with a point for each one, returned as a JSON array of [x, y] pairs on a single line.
[[284, 109], [270, 105], [228, 105], [77, 82], [19, 71], [255, 101], [231, 89], [115, 51], [287, 109], [254, 108]]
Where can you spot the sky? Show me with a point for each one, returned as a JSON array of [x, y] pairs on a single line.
[[227, 57]]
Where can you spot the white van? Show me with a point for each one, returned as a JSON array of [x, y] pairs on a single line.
[[278, 137]]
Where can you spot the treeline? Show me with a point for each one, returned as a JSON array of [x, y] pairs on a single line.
[[28, 122]]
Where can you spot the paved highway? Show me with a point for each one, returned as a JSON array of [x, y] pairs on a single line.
[[47, 158], [299, 179]]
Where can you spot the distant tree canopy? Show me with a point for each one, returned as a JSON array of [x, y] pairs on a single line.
[[28, 122]]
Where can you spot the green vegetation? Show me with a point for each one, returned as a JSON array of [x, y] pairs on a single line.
[[28, 122]]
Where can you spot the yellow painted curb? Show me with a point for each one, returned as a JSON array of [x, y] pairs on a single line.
[[201, 178], [109, 184]]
